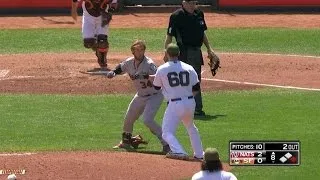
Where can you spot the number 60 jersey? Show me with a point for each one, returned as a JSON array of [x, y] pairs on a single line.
[[176, 79]]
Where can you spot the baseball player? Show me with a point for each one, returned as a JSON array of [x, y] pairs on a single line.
[[95, 26], [146, 101], [179, 82]]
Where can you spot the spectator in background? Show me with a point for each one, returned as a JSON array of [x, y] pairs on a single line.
[[211, 168]]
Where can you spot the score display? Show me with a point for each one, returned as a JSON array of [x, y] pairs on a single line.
[[264, 153]]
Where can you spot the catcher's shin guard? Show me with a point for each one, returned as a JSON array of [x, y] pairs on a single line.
[[102, 50], [102, 57]]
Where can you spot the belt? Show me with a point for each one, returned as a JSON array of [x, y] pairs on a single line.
[[147, 95], [179, 99]]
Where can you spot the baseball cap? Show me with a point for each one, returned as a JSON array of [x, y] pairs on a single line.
[[211, 154], [173, 49]]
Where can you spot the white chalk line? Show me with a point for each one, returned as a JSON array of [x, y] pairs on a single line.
[[3, 73], [17, 154], [259, 84], [267, 54], [12, 171], [16, 77]]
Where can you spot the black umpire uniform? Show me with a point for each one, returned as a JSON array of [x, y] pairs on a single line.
[[188, 30]]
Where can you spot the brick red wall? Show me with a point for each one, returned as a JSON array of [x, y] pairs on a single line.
[[277, 3], [222, 3], [35, 3]]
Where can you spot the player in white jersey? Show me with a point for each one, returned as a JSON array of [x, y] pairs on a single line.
[[146, 101], [179, 83], [211, 168]]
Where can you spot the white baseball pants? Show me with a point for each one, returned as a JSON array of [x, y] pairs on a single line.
[[91, 26], [181, 110]]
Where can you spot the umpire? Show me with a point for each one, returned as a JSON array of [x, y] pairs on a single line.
[[187, 25]]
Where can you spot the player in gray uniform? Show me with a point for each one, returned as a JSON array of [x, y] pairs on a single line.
[[146, 101]]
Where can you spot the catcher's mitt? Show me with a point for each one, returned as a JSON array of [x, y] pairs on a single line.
[[106, 18], [137, 140], [214, 63]]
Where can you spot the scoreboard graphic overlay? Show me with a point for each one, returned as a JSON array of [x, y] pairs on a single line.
[[264, 153]]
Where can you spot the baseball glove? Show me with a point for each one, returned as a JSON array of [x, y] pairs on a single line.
[[137, 140], [106, 18], [214, 63]]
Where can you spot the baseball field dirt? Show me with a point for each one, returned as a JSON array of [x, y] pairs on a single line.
[[58, 73]]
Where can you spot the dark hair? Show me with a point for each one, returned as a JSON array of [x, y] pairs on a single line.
[[211, 166]]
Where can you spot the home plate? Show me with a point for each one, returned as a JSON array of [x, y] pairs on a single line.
[[12, 171]]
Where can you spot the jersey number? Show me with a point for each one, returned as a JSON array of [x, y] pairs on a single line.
[[146, 84], [176, 79]]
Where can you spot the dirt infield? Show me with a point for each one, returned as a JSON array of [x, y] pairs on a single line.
[[52, 73]]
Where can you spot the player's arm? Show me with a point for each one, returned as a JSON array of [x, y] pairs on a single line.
[[74, 7], [116, 71], [194, 80], [157, 81], [196, 88]]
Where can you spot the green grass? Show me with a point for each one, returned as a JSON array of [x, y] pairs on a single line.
[[267, 40], [64, 122]]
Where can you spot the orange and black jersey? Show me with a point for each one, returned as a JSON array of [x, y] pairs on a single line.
[[95, 7]]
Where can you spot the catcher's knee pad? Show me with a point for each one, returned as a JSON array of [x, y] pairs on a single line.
[[102, 43], [102, 49], [89, 42]]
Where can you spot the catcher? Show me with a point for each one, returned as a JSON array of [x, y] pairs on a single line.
[[97, 15]]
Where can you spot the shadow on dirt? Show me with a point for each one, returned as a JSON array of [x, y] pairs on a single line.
[[55, 21]]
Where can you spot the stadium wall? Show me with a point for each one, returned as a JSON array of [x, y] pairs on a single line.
[[219, 3], [268, 3]]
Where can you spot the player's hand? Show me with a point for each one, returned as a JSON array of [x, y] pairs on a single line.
[[111, 74]]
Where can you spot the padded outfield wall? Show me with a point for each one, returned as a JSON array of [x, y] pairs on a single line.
[[269, 3], [220, 3]]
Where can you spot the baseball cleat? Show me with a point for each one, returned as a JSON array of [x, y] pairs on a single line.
[[197, 159], [199, 113], [180, 156], [166, 149], [105, 68]]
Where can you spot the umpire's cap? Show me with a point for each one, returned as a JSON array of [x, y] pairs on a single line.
[[211, 154], [173, 50]]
